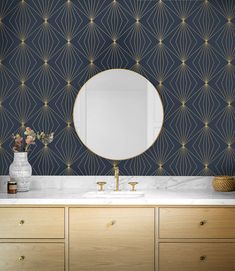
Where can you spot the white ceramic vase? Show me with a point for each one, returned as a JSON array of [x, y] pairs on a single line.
[[21, 171]]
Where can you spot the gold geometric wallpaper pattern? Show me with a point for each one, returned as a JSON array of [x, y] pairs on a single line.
[[50, 48]]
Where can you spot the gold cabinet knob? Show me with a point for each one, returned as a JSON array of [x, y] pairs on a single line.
[[112, 223], [133, 184], [21, 258], [101, 185], [202, 258], [202, 223], [21, 222]]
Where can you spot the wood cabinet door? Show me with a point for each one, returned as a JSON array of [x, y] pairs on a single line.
[[117, 239], [32, 222], [196, 257], [197, 223], [31, 257]]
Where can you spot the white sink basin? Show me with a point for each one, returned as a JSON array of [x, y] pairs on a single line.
[[113, 194]]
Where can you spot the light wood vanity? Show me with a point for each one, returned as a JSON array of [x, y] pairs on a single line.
[[114, 238]]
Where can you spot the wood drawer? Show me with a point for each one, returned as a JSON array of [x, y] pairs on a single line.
[[117, 239], [31, 223], [37, 257], [197, 223], [197, 256]]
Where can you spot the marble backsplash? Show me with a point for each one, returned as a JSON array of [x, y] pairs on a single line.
[[88, 183]]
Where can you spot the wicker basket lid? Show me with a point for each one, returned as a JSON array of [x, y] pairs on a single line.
[[224, 177]]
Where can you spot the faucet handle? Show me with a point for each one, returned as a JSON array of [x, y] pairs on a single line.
[[101, 185], [133, 184]]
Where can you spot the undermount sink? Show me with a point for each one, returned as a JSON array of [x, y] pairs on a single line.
[[113, 194]]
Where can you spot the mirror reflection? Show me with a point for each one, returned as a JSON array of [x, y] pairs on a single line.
[[118, 114]]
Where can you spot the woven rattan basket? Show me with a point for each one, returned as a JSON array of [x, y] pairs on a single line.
[[223, 183]]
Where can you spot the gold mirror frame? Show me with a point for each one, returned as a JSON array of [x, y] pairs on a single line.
[[131, 157]]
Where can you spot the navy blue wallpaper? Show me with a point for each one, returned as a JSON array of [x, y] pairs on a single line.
[[50, 48]]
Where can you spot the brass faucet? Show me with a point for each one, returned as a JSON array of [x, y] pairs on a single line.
[[116, 175]]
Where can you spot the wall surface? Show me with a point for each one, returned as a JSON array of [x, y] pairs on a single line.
[[50, 48]]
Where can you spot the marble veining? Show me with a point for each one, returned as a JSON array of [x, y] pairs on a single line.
[[87, 183], [157, 191]]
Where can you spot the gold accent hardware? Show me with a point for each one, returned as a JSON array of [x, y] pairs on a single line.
[[112, 223], [203, 222], [21, 222], [116, 175], [133, 184], [101, 186], [202, 258], [21, 258]]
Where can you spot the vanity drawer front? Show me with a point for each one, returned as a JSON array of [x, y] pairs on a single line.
[[31, 223], [197, 256], [117, 239], [197, 223], [32, 257]]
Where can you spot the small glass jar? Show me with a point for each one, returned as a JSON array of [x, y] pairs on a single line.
[[12, 187]]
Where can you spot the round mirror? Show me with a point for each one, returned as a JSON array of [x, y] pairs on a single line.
[[118, 114]]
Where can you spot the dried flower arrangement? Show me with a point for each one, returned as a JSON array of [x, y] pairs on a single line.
[[23, 142]]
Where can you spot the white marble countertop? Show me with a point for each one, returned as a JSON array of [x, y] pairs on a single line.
[[158, 197], [158, 190]]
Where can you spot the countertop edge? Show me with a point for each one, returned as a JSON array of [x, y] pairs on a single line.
[[84, 203]]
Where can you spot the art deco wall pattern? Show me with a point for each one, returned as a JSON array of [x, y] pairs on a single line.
[[50, 48]]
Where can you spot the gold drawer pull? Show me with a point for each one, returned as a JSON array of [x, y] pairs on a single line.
[[21, 222], [202, 258], [21, 258], [111, 223], [203, 222]]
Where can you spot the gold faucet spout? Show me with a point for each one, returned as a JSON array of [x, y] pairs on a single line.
[[116, 175]]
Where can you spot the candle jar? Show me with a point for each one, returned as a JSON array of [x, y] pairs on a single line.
[[12, 187]]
